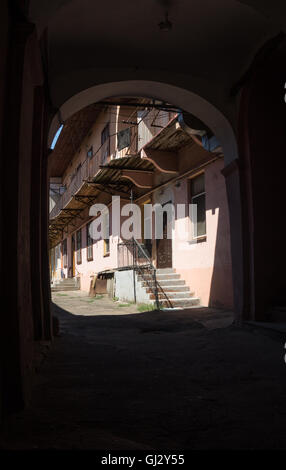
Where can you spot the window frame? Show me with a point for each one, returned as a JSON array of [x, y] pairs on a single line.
[[200, 237], [78, 239], [89, 243], [65, 252]]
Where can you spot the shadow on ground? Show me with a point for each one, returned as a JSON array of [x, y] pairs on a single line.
[[153, 380]]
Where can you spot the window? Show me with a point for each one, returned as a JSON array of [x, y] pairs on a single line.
[[124, 139], [105, 143], [106, 240], [64, 252], [105, 134], [90, 152], [106, 247], [89, 244], [78, 246], [198, 197]]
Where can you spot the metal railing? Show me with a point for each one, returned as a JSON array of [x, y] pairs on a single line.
[[129, 253], [85, 171], [132, 254]]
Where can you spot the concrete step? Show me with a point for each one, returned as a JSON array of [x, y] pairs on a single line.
[[64, 288], [172, 295], [172, 288], [165, 271], [169, 282], [172, 282], [160, 277], [183, 303], [65, 284], [178, 295], [165, 277], [68, 283]]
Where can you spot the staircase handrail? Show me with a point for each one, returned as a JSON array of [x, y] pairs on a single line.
[[153, 269]]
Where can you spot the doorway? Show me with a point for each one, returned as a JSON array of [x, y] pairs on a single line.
[[164, 247]]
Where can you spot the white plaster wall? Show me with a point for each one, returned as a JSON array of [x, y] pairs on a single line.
[[124, 289]]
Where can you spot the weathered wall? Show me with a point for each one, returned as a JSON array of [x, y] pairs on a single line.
[[21, 208], [4, 38], [124, 287], [262, 141], [86, 269], [206, 265]]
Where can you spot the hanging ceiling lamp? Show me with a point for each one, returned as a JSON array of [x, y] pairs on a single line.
[[165, 25]]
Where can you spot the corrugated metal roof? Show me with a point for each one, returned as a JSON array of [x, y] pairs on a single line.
[[112, 171], [171, 138]]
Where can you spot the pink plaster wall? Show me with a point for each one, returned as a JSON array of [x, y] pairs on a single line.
[[86, 269], [206, 266]]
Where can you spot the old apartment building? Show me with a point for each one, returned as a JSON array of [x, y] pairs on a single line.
[[152, 154]]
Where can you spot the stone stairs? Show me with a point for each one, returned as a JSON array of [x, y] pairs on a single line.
[[66, 284], [174, 287]]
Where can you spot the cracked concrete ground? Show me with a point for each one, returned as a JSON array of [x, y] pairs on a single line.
[[119, 379]]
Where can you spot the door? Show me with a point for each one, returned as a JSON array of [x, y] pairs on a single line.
[[164, 247]]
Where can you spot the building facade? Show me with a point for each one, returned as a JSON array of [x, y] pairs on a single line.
[[146, 153]]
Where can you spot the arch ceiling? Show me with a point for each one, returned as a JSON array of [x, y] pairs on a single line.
[[184, 99], [211, 44]]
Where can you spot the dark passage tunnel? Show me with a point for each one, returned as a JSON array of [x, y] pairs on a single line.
[[178, 381]]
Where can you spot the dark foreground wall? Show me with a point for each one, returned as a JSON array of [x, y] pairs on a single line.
[[262, 139], [255, 183], [23, 120]]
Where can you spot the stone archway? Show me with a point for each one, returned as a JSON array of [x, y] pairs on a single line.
[[185, 99], [214, 119], [29, 94]]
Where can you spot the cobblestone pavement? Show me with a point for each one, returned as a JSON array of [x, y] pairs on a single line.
[[119, 379]]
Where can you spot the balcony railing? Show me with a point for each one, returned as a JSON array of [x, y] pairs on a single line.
[[87, 170], [130, 254]]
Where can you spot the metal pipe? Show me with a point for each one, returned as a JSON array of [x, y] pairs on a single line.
[[162, 106]]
